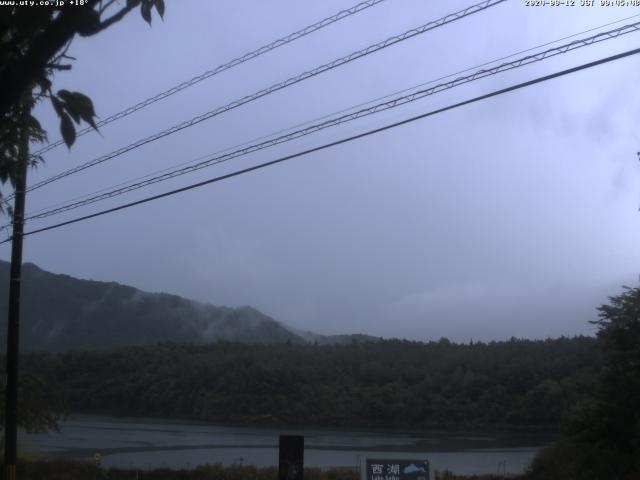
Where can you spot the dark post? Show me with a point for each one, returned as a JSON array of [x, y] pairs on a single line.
[[13, 325], [291, 461]]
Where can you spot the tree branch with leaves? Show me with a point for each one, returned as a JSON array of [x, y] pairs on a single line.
[[33, 47], [34, 42]]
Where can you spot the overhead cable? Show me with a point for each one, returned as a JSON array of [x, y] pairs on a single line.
[[339, 142], [393, 103], [328, 115], [221, 68], [274, 88]]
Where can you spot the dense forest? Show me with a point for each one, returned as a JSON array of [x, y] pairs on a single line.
[[517, 383]]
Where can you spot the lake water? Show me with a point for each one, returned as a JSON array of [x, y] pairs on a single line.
[[151, 443]]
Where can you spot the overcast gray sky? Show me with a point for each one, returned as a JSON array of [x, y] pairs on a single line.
[[515, 216]]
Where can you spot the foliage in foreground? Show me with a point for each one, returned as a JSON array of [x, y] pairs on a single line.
[[602, 437]]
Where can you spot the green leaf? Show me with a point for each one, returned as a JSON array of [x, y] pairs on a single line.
[[160, 7], [57, 105], [64, 94], [132, 3], [84, 106], [67, 130], [68, 105], [72, 111], [36, 132], [44, 83], [145, 11], [79, 106]]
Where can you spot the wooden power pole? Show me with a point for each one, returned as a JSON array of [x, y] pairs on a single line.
[[13, 324]]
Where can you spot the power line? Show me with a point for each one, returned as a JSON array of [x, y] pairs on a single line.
[[226, 66], [278, 86], [342, 141], [396, 102], [377, 108], [317, 119]]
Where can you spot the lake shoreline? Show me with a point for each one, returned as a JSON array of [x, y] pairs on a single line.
[[382, 427], [150, 443]]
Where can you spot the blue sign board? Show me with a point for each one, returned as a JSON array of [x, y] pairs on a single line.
[[390, 469]]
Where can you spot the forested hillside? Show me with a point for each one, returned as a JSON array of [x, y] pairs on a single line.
[[60, 312], [518, 383]]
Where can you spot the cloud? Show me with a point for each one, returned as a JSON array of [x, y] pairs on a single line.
[[498, 311]]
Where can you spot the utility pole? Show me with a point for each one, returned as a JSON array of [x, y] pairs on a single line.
[[13, 324]]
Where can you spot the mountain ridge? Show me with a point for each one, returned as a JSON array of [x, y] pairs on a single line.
[[61, 312]]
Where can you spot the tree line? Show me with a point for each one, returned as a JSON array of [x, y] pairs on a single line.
[[516, 383]]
